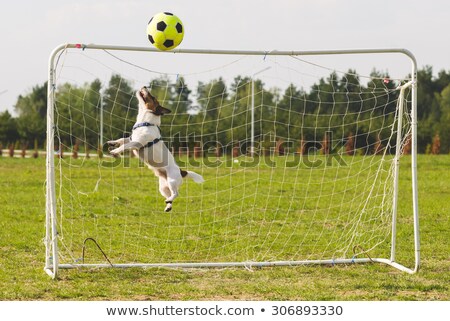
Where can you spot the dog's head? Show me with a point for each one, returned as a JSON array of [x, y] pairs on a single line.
[[151, 103]]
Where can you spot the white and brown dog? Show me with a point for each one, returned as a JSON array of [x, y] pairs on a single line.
[[145, 142]]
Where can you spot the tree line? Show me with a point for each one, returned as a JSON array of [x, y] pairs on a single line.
[[341, 108]]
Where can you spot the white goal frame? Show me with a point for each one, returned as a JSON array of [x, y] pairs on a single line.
[[52, 264]]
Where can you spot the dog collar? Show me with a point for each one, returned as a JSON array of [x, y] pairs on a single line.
[[137, 125], [153, 142], [150, 144]]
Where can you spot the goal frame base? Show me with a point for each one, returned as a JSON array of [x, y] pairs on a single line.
[[246, 265]]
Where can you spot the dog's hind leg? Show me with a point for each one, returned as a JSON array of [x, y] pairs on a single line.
[[173, 193], [164, 187], [168, 206], [174, 180]]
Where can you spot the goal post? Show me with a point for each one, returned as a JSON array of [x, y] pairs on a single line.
[[323, 187]]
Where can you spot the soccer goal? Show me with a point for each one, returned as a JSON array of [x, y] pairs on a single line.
[[309, 157]]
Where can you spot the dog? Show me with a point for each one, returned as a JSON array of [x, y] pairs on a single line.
[[145, 142]]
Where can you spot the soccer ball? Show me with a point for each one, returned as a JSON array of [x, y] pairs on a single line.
[[165, 31]]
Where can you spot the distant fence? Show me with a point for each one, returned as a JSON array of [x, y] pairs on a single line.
[[19, 153]]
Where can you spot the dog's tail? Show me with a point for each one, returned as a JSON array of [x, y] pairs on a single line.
[[195, 177]]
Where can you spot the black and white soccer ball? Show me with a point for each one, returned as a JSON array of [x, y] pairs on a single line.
[[165, 31]]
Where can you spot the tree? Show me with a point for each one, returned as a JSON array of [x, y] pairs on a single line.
[[268, 102], [321, 105], [119, 107], [175, 96], [182, 102], [32, 110], [442, 80], [428, 109], [77, 113], [425, 92], [443, 125], [290, 111], [349, 103], [212, 99], [8, 128], [237, 113]]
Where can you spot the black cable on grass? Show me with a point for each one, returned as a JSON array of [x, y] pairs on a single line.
[[363, 251], [98, 246]]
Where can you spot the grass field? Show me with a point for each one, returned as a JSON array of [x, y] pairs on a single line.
[[22, 250]]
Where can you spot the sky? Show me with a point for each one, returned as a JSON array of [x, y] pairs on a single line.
[[30, 29]]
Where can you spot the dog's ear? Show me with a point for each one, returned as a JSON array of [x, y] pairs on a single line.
[[160, 110]]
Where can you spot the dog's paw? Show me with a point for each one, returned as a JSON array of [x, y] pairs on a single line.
[[112, 143], [114, 152]]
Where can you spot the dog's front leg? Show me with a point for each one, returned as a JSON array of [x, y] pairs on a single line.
[[128, 146], [118, 142]]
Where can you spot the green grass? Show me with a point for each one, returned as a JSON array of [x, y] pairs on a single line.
[[265, 213], [129, 233]]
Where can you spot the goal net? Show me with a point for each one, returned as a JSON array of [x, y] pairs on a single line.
[[300, 152]]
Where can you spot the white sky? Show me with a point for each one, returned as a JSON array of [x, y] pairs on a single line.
[[30, 29]]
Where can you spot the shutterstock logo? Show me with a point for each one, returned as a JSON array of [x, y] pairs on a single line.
[[268, 151]]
